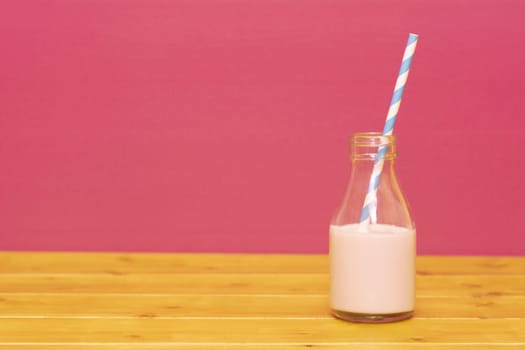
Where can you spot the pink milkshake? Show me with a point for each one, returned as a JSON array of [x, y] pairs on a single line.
[[372, 272]]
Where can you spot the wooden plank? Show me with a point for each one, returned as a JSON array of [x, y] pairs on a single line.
[[232, 283], [470, 265], [260, 346], [284, 331], [31, 262], [181, 306], [482, 307]]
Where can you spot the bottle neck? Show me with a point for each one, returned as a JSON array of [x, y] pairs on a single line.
[[373, 156], [372, 146]]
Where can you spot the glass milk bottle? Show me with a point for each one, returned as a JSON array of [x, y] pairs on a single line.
[[372, 252]]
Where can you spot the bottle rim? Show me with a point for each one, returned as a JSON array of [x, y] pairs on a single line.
[[366, 145], [372, 138]]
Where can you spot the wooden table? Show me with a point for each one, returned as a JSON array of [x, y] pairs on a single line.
[[198, 301]]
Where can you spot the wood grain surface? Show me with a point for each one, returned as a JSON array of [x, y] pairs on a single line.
[[235, 301]]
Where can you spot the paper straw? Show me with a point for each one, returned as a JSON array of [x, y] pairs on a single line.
[[369, 211]]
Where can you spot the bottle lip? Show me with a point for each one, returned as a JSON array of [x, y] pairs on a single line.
[[372, 138], [367, 146]]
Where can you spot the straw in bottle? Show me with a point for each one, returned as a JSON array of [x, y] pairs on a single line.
[[369, 211]]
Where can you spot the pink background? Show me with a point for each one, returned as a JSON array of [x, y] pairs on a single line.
[[222, 125]]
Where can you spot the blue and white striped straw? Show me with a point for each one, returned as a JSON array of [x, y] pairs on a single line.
[[369, 211]]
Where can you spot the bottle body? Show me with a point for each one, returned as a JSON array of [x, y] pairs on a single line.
[[372, 262]]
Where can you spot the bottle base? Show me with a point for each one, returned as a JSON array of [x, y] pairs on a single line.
[[371, 318]]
